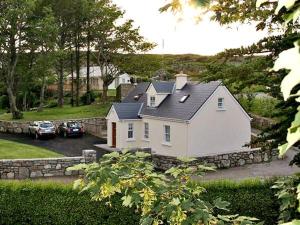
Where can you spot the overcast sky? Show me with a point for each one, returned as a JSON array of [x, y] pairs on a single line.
[[187, 36]]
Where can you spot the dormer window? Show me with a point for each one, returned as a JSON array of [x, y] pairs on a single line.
[[152, 101]]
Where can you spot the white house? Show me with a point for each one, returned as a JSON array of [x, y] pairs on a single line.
[[179, 119], [121, 79]]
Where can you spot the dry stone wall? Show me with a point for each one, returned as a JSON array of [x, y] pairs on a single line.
[[228, 160], [95, 126], [35, 168]]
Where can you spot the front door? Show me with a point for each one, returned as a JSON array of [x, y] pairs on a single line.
[[114, 134]]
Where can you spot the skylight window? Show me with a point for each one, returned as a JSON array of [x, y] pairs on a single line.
[[184, 98]]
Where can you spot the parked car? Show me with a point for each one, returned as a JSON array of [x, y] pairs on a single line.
[[39, 129], [71, 128]]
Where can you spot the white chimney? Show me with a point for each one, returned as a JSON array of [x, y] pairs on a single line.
[[181, 80]]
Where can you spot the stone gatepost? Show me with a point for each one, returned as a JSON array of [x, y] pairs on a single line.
[[89, 156]]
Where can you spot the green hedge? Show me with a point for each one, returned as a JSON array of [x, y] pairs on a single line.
[[253, 198], [46, 203]]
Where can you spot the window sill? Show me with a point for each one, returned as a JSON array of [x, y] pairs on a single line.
[[221, 109], [166, 144], [146, 139], [130, 140]]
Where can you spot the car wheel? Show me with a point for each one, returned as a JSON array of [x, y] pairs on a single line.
[[36, 136]]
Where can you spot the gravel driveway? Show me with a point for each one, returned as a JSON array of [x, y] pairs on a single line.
[[65, 146]]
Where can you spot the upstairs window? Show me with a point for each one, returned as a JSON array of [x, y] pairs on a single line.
[[220, 103], [167, 133], [146, 130], [130, 131], [152, 101]]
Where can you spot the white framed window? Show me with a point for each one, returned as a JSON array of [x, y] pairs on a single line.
[[152, 101], [167, 133], [220, 103], [130, 131], [146, 130]]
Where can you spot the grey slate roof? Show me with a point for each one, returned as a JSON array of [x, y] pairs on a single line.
[[139, 90], [171, 107], [128, 110], [163, 86]]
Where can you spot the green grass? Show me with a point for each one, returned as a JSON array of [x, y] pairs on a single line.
[[67, 112], [112, 92], [15, 150]]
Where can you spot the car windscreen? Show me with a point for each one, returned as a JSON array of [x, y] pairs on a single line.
[[73, 124], [46, 125]]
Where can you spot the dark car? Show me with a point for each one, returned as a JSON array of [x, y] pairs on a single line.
[[71, 128]]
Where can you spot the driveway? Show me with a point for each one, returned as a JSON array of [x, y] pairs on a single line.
[[263, 170], [65, 146]]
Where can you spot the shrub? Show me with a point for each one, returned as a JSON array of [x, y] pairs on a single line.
[[4, 102], [52, 104], [84, 97], [37, 203], [33, 203], [252, 198]]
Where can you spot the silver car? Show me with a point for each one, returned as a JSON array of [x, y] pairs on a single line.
[[39, 129]]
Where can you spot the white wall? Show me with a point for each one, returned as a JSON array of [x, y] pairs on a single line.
[[112, 117], [122, 79], [158, 97], [213, 131], [178, 142]]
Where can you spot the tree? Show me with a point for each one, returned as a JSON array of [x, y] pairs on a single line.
[[14, 25], [171, 197], [20, 29], [111, 38]]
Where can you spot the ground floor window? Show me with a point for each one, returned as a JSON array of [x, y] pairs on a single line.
[[167, 133], [130, 130]]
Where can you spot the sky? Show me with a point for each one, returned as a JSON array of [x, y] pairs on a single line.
[[186, 36]]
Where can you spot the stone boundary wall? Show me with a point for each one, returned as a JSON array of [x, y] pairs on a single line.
[[95, 126], [260, 122], [35, 168], [227, 160]]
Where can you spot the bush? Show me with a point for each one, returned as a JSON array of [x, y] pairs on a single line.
[[84, 97], [52, 104], [4, 102], [37, 203], [49, 203], [252, 198]]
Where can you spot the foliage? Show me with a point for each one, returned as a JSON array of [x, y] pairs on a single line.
[[265, 107], [161, 198], [23, 202], [53, 203], [4, 102], [91, 96], [16, 150], [52, 104], [68, 112], [287, 192]]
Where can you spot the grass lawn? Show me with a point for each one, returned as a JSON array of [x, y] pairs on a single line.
[[15, 150], [67, 112], [112, 92]]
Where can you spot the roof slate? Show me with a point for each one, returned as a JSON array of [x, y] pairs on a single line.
[[171, 107], [128, 110], [163, 86]]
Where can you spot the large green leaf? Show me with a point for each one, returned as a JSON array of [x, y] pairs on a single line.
[[290, 60], [288, 4]]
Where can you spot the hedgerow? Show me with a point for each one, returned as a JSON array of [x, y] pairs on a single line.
[[33, 203]]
